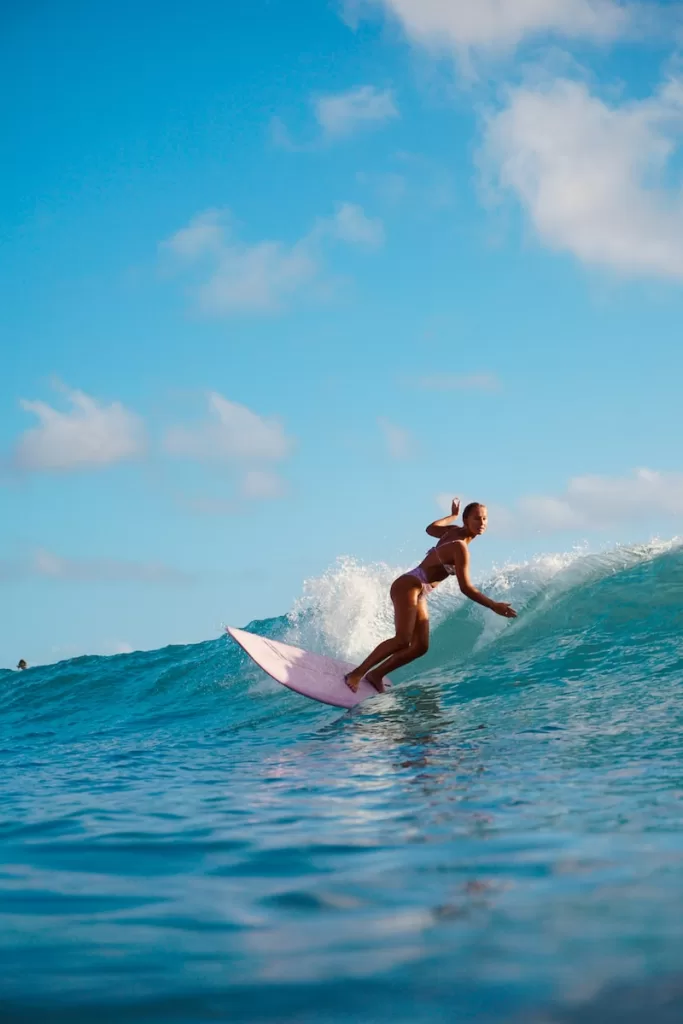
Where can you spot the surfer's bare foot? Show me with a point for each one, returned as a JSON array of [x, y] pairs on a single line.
[[376, 681], [352, 680]]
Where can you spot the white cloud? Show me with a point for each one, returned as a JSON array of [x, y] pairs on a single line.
[[203, 234], [261, 484], [90, 434], [47, 565], [400, 442], [592, 175], [341, 114], [233, 276], [499, 25], [257, 277], [459, 382], [239, 277], [350, 224], [598, 502], [232, 433]]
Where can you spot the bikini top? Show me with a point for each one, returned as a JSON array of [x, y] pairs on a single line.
[[450, 569]]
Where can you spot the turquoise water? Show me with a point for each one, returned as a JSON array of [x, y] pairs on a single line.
[[500, 839]]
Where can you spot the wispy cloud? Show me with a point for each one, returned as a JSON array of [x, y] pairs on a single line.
[[341, 114], [351, 224], [389, 186], [230, 276], [422, 182], [89, 434], [464, 26], [281, 137], [47, 565], [204, 234], [591, 175], [232, 432], [591, 503], [399, 442], [459, 382], [254, 485], [233, 435], [261, 484]]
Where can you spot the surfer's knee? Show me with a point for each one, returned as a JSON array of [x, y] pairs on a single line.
[[419, 647]]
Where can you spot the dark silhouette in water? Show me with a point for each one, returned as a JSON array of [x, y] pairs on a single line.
[[22, 665]]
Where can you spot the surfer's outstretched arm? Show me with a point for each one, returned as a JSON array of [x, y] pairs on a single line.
[[441, 526], [461, 561]]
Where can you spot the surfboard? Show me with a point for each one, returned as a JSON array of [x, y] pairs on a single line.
[[311, 675]]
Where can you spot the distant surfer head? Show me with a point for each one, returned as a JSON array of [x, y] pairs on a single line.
[[22, 665], [475, 518]]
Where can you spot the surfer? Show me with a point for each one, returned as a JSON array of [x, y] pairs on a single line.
[[449, 557]]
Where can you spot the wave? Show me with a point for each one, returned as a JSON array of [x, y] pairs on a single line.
[[578, 611]]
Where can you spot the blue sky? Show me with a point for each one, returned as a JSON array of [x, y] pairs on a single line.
[[276, 278]]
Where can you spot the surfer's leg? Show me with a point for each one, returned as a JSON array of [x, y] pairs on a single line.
[[419, 645], [405, 594]]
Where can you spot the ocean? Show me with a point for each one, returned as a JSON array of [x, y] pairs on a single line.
[[499, 839]]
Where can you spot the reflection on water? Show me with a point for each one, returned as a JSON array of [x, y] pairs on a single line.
[[500, 839]]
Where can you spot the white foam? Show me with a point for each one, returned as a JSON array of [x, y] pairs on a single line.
[[347, 611]]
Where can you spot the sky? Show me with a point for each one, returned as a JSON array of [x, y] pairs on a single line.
[[278, 280]]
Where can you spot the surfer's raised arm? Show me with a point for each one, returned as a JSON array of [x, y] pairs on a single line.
[[461, 561], [441, 526]]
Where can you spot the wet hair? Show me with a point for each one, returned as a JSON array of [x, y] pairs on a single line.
[[469, 509]]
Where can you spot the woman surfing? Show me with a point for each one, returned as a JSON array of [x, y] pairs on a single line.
[[449, 557]]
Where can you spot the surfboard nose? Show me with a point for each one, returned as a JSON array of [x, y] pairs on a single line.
[[312, 675]]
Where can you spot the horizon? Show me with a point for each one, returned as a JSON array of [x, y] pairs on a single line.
[[278, 284]]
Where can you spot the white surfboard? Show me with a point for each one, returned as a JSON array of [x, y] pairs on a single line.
[[312, 675]]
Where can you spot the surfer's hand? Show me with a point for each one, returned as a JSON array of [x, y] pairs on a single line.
[[500, 608], [455, 507]]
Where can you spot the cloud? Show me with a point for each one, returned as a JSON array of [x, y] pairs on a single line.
[[90, 434], [598, 502], [203, 234], [232, 433], [255, 485], [229, 276], [237, 277], [46, 565], [350, 224], [592, 176], [389, 186], [261, 484], [341, 114], [463, 26], [281, 137], [459, 382], [400, 442]]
